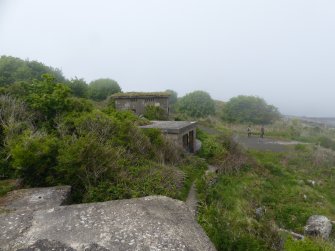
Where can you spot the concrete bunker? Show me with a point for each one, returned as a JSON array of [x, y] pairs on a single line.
[[137, 101], [181, 132]]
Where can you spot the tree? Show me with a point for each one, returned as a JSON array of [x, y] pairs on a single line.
[[100, 89], [47, 97], [79, 87], [196, 104], [14, 119], [15, 69], [173, 96], [34, 157], [249, 109]]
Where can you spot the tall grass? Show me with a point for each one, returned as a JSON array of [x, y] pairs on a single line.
[[277, 182]]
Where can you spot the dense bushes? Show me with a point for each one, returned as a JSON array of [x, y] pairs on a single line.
[[15, 70], [196, 104], [101, 155], [210, 147], [249, 109], [327, 142], [50, 135], [152, 112], [78, 87], [34, 158], [102, 88], [14, 119]]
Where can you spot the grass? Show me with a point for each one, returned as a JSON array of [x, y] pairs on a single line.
[[289, 198], [6, 186], [308, 244], [278, 182], [194, 168]]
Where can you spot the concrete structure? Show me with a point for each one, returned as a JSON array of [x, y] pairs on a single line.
[[35, 198], [182, 132], [137, 101], [149, 223]]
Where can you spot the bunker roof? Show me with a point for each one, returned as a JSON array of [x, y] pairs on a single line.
[[172, 127], [141, 95]]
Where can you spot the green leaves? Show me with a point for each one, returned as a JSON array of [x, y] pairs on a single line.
[[152, 112], [47, 96], [249, 109], [15, 70], [34, 157], [196, 104], [102, 88], [173, 96], [78, 87]]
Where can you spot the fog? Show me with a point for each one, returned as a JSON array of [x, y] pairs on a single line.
[[283, 51]]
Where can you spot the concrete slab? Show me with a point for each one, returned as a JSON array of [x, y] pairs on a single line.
[[149, 223], [171, 126], [35, 198]]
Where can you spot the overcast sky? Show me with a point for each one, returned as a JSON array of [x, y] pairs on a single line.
[[281, 50]]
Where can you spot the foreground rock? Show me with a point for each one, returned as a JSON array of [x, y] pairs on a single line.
[[150, 223], [318, 225], [35, 198]]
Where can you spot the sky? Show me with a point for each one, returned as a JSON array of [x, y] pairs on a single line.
[[280, 50]]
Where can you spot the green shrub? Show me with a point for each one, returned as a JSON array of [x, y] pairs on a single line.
[[34, 158], [327, 142], [155, 136], [152, 112], [210, 146], [86, 161], [196, 104], [101, 88], [249, 109]]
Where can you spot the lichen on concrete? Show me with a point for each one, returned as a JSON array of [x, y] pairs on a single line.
[[149, 223], [35, 198]]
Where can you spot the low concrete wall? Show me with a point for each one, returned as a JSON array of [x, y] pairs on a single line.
[[138, 104]]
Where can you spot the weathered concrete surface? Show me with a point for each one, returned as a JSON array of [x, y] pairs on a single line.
[[263, 144], [17, 207], [150, 223], [192, 200], [35, 198]]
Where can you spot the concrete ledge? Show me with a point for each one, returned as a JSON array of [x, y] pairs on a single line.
[[149, 223], [35, 198]]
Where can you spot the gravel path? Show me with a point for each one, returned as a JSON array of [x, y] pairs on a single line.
[[265, 144], [192, 200]]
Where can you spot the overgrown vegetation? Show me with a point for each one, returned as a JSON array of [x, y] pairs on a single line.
[[249, 109], [152, 112], [102, 88], [51, 134], [196, 104], [55, 131], [14, 70], [6, 186], [278, 182]]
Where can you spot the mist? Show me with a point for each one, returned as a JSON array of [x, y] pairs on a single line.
[[282, 51]]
